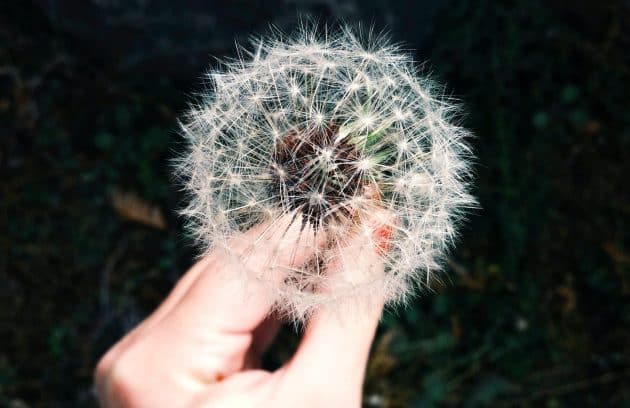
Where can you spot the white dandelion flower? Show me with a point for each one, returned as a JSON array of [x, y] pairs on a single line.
[[327, 127]]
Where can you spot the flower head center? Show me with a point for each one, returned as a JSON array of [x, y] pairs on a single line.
[[316, 174]]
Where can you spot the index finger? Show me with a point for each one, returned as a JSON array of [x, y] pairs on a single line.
[[236, 293]]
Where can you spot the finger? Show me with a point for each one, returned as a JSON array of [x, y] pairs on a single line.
[[228, 297], [205, 335], [239, 244], [210, 329], [337, 340], [166, 306]]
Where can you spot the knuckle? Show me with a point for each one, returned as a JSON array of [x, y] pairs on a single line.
[[118, 379], [123, 384]]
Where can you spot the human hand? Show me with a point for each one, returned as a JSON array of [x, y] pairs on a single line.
[[202, 345]]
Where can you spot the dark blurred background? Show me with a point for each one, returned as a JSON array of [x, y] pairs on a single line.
[[536, 311]]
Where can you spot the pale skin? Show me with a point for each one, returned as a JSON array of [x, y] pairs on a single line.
[[202, 345]]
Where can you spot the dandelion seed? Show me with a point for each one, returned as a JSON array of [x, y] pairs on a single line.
[[328, 126]]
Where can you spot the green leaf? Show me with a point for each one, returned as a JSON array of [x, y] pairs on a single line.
[[570, 93], [103, 140]]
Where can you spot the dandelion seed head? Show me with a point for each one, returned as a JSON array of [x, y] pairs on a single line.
[[328, 126]]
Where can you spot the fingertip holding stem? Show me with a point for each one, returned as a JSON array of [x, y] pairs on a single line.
[[383, 238], [349, 259], [356, 267]]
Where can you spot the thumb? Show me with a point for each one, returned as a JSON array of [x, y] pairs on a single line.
[[337, 340]]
